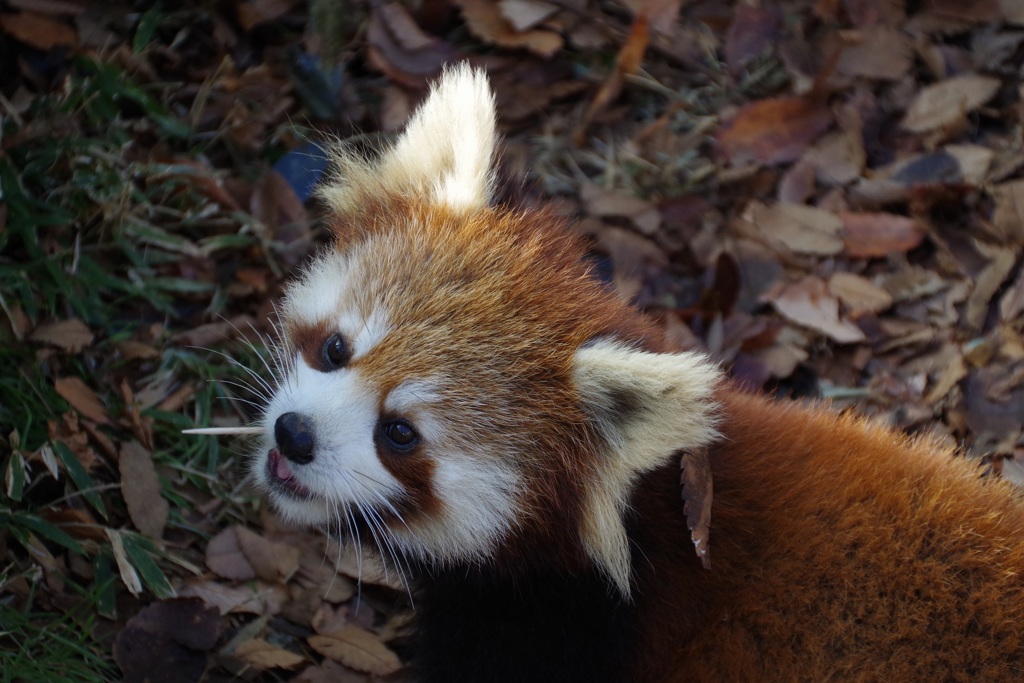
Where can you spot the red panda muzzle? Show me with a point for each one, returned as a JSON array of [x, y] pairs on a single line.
[[281, 475]]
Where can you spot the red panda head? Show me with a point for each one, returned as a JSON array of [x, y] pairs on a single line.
[[456, 384]]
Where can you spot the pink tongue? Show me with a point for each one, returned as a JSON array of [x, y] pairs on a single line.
[[282, 470]]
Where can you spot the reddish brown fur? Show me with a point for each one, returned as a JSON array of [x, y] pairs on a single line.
[[841, 550], [414, 470], [309, 340], [507, 276]]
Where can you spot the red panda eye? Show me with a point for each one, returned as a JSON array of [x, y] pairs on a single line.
[[336, 353], [399, 434]]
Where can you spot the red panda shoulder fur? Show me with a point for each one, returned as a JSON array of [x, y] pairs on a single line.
[[841, 550]]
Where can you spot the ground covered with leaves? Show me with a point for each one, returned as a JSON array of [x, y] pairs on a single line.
[[827, 196]]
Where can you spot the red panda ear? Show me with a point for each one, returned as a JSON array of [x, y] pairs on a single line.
[[646, 407], [443, 157]]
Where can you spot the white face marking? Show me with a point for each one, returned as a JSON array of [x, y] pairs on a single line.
[[371, 330], [324, 293], [345, 469], [315, 296], [412, 394], [477, 493], [412, 400], [478, 496]]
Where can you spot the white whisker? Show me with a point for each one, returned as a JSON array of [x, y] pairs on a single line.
[[252, 373], [241, 384], [382, 499], [337, 562]]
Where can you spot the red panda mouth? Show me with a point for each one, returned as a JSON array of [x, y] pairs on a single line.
[[281, 476]]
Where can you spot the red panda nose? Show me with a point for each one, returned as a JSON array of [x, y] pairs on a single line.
[[294, 436]]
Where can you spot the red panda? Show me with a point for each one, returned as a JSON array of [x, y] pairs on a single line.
[[459, 391]]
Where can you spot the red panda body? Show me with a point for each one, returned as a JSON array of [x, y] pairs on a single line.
[[458, 391], [841, 551]]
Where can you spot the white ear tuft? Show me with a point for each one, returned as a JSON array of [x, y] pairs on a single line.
[[449, 142], [444, 156], [647, 407]]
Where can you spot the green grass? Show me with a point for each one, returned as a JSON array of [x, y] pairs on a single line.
[[102, 228], [43, 646]]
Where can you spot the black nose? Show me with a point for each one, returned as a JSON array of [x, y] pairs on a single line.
[[294, 435]]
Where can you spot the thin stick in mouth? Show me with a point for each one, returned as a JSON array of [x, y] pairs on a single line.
[[217, 431]]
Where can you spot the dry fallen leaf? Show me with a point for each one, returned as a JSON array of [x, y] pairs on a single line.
[[809, 303], [698, 489], [946, 102], [868, 235], [133, 350], [859, 294], [786, 353], [880, 52], [401, 50], [974, 162], [773, 131], [41, 32], [663, 15], [320, 577], [1008, 220], [838, 158], [141, 489], [225, 598], [271, 561], [78, 523], [1011, 304], [525, 14], [1013, 11], [912, 283], [72, 335], [797, 184], [973, 11], [753, 32], [364, 565], [72, 433], [82, 398], [329, 672], [179, 631], [602, 203], [801, 229], [211, 334], [630, 56], [486, 21], [129, 576], [327, 619], [252, 13], [262, 655], [634, 257], [952, 372], [358, 649], [275, 203], [987, 284], [141, 426], [985, 413], [225, 558]]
